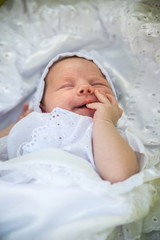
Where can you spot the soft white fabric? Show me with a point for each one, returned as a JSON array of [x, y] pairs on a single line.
[[51, 194], [126, 35], [65, 130], [3, 148], [59, 129]]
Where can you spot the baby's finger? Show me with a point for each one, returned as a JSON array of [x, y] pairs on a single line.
[[25, 111], [120, 111], [28, 112], [94, 105], [101, 97], [25, 107], [112, 99]]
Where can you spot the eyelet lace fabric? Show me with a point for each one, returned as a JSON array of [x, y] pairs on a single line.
[[58, 129], [65, 130], [127, 35]]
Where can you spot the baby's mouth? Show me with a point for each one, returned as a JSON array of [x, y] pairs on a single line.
[[82, 106], [84, 110]]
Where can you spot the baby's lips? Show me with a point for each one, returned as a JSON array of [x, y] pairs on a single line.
[[87, 101]]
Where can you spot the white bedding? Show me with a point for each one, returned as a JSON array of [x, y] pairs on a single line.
[[51, 194]]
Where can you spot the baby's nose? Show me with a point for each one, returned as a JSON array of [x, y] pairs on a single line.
[[84, 89]]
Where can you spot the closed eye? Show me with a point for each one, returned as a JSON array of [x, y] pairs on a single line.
[[99, 84], [67, 85]]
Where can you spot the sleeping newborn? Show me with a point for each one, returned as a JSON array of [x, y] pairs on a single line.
[[76, 109]]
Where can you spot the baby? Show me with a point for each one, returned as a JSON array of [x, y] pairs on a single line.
[[76, 110]]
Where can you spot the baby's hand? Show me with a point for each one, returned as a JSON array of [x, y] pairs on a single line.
[[25, 112], [106, 109]]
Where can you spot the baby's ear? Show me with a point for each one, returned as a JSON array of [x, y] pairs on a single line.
[[42, 107]]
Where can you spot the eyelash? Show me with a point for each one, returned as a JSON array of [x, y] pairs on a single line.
[[93, 84], [65, 86], [99, 84]]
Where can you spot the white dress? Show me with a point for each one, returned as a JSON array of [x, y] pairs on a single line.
[[65, 130]]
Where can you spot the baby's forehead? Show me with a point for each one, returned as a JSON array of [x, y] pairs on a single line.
[[54, 78], [70, 63]]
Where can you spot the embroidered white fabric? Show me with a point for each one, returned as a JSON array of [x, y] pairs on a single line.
[[60, 129], [126, 34], [52, 194], [65, 130]]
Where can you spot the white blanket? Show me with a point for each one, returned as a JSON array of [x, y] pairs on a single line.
[[51, 194]]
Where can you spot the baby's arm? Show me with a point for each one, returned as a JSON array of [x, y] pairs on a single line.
[[4, 132], [114, 158]]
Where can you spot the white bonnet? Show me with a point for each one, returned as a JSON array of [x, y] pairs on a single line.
[[92, 56]]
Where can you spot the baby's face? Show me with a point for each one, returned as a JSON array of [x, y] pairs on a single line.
[[71, 83]]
